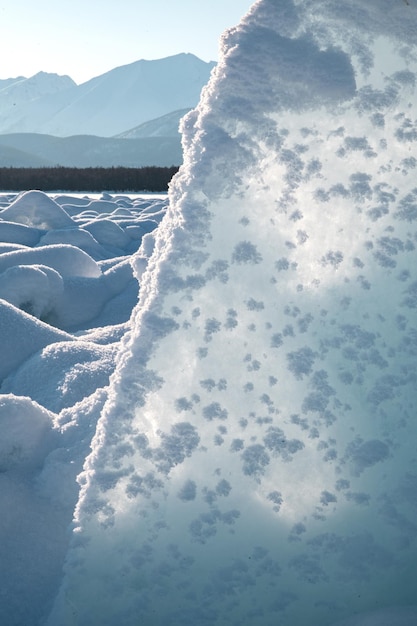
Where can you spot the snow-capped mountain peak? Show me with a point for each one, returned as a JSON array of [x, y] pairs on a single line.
[[23, 90], [106, 105]]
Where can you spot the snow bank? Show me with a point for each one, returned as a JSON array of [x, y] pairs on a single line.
[[255, 460]]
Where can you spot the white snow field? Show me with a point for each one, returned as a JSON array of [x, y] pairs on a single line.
[[253, 424]]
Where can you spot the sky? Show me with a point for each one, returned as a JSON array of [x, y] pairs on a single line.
[[85, 38]]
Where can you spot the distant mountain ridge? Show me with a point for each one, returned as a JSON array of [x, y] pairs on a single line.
[[165, 126], [39, 150], [105, 106]]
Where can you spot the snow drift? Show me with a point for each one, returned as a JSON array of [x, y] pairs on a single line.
[[255, 460]]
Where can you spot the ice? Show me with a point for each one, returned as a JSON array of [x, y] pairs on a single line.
[[264, 351]]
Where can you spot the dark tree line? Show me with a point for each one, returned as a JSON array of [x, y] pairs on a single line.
[[86, 179]]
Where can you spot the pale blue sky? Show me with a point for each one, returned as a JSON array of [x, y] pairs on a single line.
[[85, 38]]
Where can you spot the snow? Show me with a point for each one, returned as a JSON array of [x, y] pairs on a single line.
[[210, 416], [36, 210], [66, 295]]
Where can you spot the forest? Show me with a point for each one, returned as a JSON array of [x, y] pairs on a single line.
[[91, 179]]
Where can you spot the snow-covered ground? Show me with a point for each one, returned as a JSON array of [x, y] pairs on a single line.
[[67, 289], [253, 458]]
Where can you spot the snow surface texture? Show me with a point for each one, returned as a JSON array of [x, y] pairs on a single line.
[[67, 289], [254, 462]]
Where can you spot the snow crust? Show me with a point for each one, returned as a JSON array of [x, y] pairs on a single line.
[[253, 457]]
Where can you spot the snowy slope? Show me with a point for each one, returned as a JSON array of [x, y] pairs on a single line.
[[16, 92], [27, 103], [6, 82], [106, 105]]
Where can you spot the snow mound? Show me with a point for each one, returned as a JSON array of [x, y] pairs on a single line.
[[21, 335], [27, 434], [35, 289], [63, 373], [71, 204], [35, 209], [18, 233], [65, 259], [76, 237], [108, 233], [10, 247]]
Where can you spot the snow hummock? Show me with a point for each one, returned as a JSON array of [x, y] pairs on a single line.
[[244, 442], [36, 210]]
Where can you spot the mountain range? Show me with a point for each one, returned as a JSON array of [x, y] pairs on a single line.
[[128, 116]]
